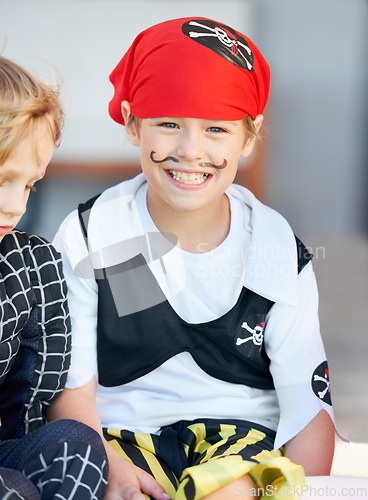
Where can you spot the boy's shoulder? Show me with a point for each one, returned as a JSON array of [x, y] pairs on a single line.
[[41, 262], [303, 254], [109, 204], [276, 256], [126, 188], [21, 239], [28, 246]]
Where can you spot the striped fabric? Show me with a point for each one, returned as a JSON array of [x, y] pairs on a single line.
[[192, 459]]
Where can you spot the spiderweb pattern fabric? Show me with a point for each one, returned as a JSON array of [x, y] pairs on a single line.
[[62, 460], [35, 336]]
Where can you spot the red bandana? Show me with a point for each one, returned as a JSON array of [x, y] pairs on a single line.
[[191, 67]]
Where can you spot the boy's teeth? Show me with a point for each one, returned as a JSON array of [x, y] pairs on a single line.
[[188, 177]]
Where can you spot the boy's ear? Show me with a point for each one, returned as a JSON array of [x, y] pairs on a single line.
[[130, 130], [249, 145]]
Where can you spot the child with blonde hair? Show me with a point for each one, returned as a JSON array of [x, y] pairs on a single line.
[[65, 459]]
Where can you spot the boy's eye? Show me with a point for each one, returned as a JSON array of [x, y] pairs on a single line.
[[168, 125], [216, 129]]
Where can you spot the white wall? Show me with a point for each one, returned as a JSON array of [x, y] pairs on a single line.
[[318, 162]]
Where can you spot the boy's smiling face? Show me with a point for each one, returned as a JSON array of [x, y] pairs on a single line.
[[189, 162]]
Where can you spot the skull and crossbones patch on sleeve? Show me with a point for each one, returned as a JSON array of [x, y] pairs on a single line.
[[321, 383]]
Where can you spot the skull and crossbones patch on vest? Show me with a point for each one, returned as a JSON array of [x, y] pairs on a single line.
[[221, 39], [251, 334], [321, 383]]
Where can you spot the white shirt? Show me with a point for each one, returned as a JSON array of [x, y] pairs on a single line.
[[260, 254]]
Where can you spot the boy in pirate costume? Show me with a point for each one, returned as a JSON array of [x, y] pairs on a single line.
[[194, 306], [62, 460]]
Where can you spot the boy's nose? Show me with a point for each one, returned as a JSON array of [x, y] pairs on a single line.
[[191, 147], [13, 206]]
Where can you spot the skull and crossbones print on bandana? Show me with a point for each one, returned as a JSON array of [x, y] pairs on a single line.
[[191, 67]]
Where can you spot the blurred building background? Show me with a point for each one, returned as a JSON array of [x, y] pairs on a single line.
[[312, 165]]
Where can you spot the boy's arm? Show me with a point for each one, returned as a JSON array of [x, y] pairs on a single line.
[[125, 480], [313, 447]]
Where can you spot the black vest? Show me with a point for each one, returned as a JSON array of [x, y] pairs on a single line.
[[229, 348]]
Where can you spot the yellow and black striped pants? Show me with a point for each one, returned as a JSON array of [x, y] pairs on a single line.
[[192, 459]]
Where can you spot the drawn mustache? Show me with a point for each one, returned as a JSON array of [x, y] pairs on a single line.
[[209, 164], [175, 160], [172, 158]]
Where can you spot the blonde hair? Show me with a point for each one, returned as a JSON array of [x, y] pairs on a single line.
[[24, 101]]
